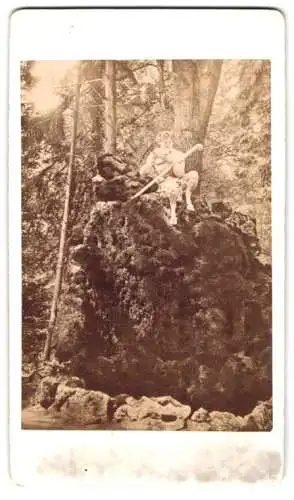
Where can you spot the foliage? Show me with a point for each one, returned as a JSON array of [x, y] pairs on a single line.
[[238, 144]]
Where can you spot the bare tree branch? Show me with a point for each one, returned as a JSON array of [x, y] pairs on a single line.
[[137, 117], [144, 65]]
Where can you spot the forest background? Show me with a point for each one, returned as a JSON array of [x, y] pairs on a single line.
[[225, 105]]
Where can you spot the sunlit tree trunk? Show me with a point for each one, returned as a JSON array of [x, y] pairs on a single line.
[[214, 72], [211, 85], [160, 65], [186, 95], [110, 108], [196, 84], [93, 71], [187, 110], [68, 190]]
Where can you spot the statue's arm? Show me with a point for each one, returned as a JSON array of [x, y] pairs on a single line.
[[147, 168]]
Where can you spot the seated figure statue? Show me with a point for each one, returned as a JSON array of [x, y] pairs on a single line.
[[171, 184]]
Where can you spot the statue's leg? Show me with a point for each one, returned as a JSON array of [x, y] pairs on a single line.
[[172, 190], [190, 180], [173, 213]]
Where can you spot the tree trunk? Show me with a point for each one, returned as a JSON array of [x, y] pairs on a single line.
[[185, 85], [60, 260], [195, 89], [94, 71], [214, 76], [110, 108], [160, 65], [213, 80], [187, 110]]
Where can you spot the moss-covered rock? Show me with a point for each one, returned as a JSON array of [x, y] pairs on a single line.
[[153, 309]]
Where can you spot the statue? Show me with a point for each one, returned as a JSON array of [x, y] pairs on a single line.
[[167, 167]]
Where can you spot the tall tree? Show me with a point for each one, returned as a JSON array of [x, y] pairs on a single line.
[[110, 108], [186, 100], [196, 84], [93, 72], [68, 189], [213, 72], [162, 98]]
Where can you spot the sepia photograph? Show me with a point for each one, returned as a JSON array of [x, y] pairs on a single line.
[[146, 245]]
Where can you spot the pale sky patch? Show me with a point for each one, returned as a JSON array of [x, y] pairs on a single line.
[[49, 75]]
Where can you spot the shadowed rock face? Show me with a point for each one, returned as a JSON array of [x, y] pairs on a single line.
[[152, 309]]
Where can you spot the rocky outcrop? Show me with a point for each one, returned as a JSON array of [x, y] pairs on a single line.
[[46, 392], [80, 406], [67, 398], [47, 389], [151, 309], [70, 405], [260, 419], [217, 421], [157, 413]]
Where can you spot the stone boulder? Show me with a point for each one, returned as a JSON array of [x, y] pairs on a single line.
[[80, 406], [200, 415], [199, 421], [151, 309], [156, 413], [260, 419], [46, 392], [225, 421]]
